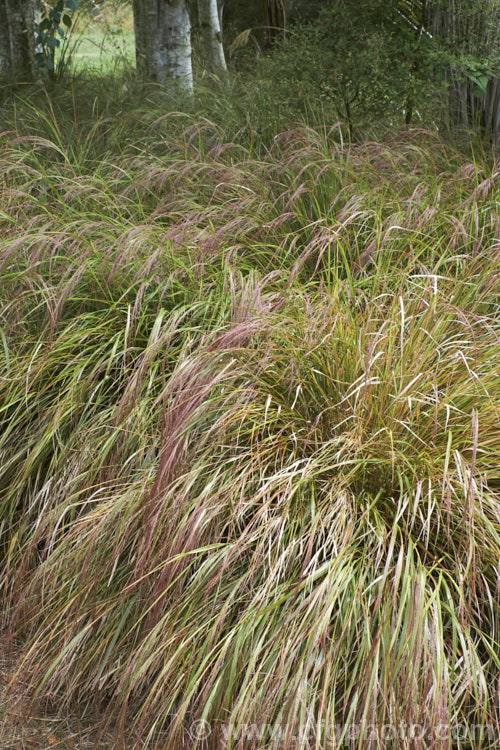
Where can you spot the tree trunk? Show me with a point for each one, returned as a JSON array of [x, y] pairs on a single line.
[[17, 39], [141, 39], [472, 29], [211, 36], [492, 109], [163, 41], [275, 14], [220, 11]]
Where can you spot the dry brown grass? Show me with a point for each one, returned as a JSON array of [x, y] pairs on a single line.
[[27, 724]]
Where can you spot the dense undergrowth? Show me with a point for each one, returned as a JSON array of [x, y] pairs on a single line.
[[250, 430]]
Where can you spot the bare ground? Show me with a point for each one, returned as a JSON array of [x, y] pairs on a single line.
[[27, 724]]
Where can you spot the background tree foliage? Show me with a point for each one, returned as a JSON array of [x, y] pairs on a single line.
[[52, 28], [361, 60], [391, 61], [367, 62]]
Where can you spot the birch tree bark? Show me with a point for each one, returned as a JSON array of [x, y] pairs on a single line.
[[163, 41], [17, 39], [220, 11], [211, 36]]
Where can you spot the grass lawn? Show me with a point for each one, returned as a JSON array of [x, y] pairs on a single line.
[[104, 40]]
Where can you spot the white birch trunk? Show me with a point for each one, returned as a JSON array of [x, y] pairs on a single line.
[[163, 41], [17, 39], [211, 36], [220, 11]]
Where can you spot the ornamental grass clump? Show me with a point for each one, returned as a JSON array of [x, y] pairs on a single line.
[[306, 532], [250, 438]]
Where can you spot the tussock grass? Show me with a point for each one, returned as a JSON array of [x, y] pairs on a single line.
[[250, 430]]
